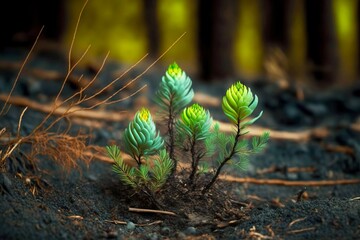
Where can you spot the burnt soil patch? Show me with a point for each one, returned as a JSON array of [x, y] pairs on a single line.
[[91, 203]]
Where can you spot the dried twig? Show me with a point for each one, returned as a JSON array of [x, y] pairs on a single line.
[[297, 231], [256, 235], [116, 222], [285, 169], [289, 183], [304, 135], [3, 111], [339, 148], [355, 198], [76, 217], [62, 111], [149, 224], [226, 224], [142, 210], [137, 224], [296, 221]]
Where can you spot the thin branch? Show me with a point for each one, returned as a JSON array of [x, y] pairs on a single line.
[[80, 92], [64, 111], [282, 182], [304, 135], [285, 169], [74, 35], [116, 222], [20, 71], [226, 159], [20, 120], [142, 210], [136, 224], [301, 230], [355, 198], [296, 221]]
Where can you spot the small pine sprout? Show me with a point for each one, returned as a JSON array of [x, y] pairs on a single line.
[[238, 103], [141, 138], [175, 89], [195, 122]]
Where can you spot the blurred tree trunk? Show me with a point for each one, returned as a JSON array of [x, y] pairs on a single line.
[[152, 26], [276, 23], [322, 47], [216, 32], [276, 38]]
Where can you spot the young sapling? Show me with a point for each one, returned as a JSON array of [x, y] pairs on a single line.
[[238, 104], [175, 93], [142, 143], [191, 128], [194, 124]]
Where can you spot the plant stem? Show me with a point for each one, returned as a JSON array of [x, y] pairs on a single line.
[[226, 159], [147, 191], [194, 161], [171, 142], [138, 160]]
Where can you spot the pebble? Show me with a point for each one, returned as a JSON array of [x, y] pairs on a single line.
[[190, 231], [292, 115], [315, 109], [292, 176], [92, 177], [180, 235], [165, 231], [130, 226], [152, 236]]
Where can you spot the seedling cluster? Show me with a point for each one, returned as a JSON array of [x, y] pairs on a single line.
[[190, 129]]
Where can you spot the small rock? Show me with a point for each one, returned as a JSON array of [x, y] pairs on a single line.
[[92, 177], [292, 176], [190, 231], [291, 114], [130, 226], [152, 236], [315, 109], [165, 231], [180, 235]]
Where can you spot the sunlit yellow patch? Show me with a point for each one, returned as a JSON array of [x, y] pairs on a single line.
[[144, 114], [174, 70]]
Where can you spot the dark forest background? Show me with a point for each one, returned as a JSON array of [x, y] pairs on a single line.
[[285, 39]]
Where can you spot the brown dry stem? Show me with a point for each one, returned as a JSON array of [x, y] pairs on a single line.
[[142, 210]]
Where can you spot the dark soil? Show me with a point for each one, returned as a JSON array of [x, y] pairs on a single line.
[[86, 204]]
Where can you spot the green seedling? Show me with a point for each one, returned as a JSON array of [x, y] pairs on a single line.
[[145, 146], [175, 93], [192, 130], [238, 104]]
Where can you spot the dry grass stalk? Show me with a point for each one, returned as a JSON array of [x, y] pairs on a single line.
[[60, 145], [64, 148]]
